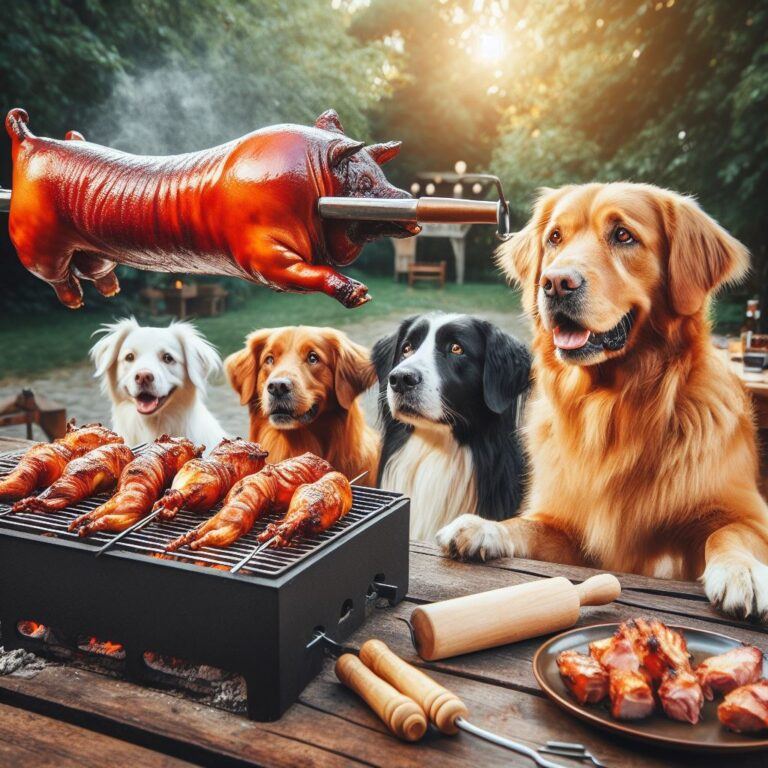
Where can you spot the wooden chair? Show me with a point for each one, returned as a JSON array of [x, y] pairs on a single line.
[[427, 273], [26, 408]]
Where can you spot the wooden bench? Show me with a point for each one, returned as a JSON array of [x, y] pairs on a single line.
[[26, 408], [427, 273]]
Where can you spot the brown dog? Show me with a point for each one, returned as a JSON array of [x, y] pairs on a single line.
[[301, 386], [642, 443]]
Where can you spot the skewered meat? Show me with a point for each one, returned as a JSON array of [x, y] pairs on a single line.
[[631, 696], [140, 484], [96, 471], [202, 483], [43, 463], [681, 695], [583, 676], [252, 497], [246, 209], [314, 508], [745, 709], [730, 670]]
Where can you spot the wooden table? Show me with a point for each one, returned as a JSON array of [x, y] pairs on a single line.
[[64, 716]]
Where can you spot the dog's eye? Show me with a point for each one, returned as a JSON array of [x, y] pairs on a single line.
[[313, 358], [268, 360], [623, 236], [407, 349], [167, 359], [130, 357], [555, 237], [457, 349]]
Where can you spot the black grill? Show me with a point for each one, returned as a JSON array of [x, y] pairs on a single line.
[[259, 622]]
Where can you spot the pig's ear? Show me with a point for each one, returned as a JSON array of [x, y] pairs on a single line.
[[329, 121], [342, 149], [383, 153]]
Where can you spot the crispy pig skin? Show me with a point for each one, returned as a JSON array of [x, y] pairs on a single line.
[[583, 676], [745, 709], [730, 670]]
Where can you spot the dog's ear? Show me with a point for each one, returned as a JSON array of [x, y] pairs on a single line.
[[200, 355], [702, 255], [354, 371], [385, 350], [506, 371], [105, 351], [520, 256], [242, 367]]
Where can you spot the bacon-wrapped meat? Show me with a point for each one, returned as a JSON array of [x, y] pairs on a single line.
[[43, 463], [583, 676], [85, 476], [631, 696], [314, 508], [140, 485], [202, 483], [681, 696], [269, 490], [730, 670], [745, 709]]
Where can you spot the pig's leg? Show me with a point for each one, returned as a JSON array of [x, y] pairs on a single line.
[[54, 268], [91, 266], [285, 269]]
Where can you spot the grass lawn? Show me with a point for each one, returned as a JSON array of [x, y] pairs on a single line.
[[34, 344]]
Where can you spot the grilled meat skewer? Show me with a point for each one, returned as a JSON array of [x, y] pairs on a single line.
[[44, 463], [745, 709], [202, 483], [140, 485], [96, 471], [730, 670], [314, 508], [269, 490]]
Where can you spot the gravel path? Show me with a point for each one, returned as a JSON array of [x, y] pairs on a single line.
[[75, 388]]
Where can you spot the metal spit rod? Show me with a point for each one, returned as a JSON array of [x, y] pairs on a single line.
[[5, 200], [423, 210]]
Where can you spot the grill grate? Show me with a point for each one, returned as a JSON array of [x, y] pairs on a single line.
[[155, 536]]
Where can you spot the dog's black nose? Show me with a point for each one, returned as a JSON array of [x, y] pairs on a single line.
[[280, 387], [560, 282], [144, 377], [404, 379]]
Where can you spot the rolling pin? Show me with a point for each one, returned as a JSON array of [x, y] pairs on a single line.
[[506, 615], [401, 714]]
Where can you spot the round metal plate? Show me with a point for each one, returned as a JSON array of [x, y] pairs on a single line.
[[707, 736]]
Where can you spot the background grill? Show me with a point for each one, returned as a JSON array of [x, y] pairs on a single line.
[[259, 622]]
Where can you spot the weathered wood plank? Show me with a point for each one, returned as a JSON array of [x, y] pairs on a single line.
[[27, 738]]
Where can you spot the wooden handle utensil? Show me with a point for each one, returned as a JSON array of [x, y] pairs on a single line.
[[402, 715], [442, 707], [506, 615]]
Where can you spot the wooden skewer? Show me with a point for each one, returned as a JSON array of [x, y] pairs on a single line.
[[261, 547]]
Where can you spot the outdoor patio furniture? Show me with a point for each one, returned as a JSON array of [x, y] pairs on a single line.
[[210, 301], [27, 408], [427, 273], [152, 297], [177, 297], [66, 706]]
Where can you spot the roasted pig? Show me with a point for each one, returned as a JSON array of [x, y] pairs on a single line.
[[139, 487], [583, 676], [269, 490], [730, 670], [43, 463], [681, 696], [96, 471], [314, 508], [202, 483], [745, 709]]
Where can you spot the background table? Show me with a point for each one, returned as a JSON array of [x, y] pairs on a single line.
[[66, 716]]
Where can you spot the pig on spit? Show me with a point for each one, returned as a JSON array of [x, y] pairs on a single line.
[[247, 208]]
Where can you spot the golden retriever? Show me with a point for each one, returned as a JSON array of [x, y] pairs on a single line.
[[642, 443], [301, 386]]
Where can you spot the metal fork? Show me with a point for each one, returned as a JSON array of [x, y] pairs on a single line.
[[572, 750]]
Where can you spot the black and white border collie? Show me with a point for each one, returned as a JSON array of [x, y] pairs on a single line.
[[449, 387]]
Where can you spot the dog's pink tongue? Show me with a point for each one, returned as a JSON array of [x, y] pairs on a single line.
[[147, 406], [570, 339]]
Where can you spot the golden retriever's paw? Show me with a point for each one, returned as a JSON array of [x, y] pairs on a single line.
[[470, 537], [738, 588]]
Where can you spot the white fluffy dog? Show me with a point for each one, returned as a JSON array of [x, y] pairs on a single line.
[[156, 379]]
